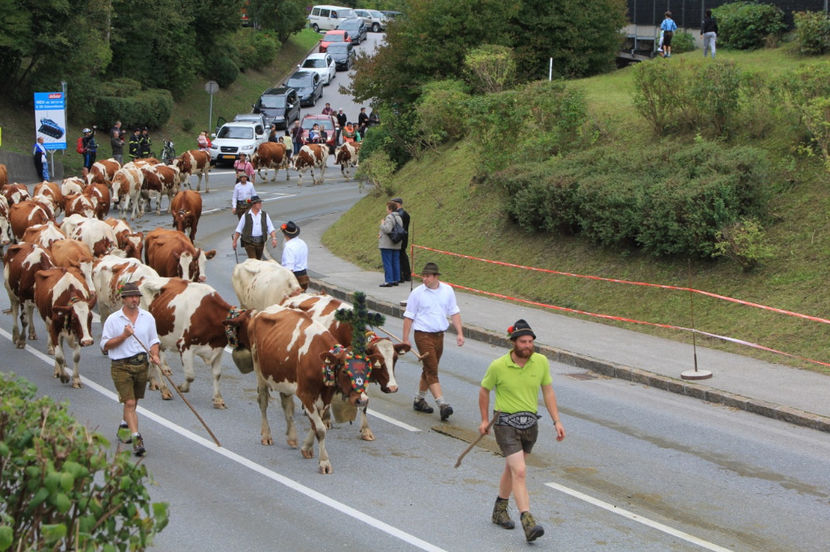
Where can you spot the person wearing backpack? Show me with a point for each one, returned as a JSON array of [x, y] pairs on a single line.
[[390, 250], [90, 147]]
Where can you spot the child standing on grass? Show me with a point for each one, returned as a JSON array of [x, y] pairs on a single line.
[[668, 26]]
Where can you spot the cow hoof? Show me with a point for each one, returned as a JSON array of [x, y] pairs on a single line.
[[166, 395], [21, 344], [64, 378], [77, 385], [367, 435], [154, 386], [267, 441], [325, 468], [291, 443], [50, 351], [219, 404], [33, 337], [309, 454]]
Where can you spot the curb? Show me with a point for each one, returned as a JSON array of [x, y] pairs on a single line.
[[772, 410]]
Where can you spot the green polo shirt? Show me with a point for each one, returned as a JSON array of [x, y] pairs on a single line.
[[517, 388]]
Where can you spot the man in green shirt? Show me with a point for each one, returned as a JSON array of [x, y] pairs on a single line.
[[517, 378]]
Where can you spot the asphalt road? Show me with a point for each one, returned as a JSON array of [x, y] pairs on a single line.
[[640, 470]]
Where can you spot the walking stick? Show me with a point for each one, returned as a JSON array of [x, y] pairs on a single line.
[[215, 440], [480, 437], [420, 357]]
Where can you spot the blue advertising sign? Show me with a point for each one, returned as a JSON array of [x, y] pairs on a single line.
[[50, 119]]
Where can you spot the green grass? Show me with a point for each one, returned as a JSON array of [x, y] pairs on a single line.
[[450, 212]]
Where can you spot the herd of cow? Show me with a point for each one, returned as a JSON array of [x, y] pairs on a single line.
[[291, 339]]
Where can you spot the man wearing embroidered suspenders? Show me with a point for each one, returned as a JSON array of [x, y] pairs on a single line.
[[517, 378]]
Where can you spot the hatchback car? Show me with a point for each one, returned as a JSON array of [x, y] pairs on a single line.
[[373, 18], [343, 55], [327, 124], [334, 36], [280, 106], [323, 64], [356, 28], [308, 85]]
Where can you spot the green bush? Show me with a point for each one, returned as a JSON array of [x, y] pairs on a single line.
[[656, 94], [682, 42], [744, 243], [812, 33], [253, 49], [748, 25], [490, 68], [151, 107], [59, 490], [442, 111], [222, 69], [377, 170]]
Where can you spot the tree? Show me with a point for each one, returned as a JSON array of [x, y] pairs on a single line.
[[286, 17]]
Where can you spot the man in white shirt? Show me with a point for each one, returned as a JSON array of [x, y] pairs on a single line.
[[427, 309], [243, 191], [129, 357], [254, 228], [295, 253]]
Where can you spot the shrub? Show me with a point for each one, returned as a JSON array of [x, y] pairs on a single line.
[[744, 243], [748, 25], [816, 115], [252, 49], [490, 68], [59, 491], [714, 93], [151, 107], [682, 41], [442, 111], [812, 33], [377, 170], [222, 69], [187, 124], [655, 94]]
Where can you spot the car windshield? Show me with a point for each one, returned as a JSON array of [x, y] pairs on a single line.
[[324, 124], [336, 37], [314, 63], [303, 81], [338, 47], [236, 132], [272, 102], [376, 14]]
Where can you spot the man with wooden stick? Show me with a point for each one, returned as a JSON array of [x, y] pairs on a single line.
[[129, 358], [517, 377]]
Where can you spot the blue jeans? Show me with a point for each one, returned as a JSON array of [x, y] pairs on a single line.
[[391, 265]]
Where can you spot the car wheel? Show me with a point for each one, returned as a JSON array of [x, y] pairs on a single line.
[[316, 28], [375, 27]]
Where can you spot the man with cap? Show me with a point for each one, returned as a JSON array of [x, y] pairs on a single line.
[[517, 378], [126, 333], [135, 145], [145, 143], [243, 191], [254, 228], [427, 309], [406, 270], [295, 253]]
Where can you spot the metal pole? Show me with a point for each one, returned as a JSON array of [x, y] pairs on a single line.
[[694, 374], [210, 115], [550, 70]]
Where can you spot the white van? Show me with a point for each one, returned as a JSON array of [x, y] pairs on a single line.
[[326, 18]]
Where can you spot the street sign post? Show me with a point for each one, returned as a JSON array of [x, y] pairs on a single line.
[[211, 88]]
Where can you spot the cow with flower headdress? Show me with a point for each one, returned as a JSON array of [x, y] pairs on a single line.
[[295, 355]]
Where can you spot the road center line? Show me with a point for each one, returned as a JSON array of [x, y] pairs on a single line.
[[638, 518], [250, 464]]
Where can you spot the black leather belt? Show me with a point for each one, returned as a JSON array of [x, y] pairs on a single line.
[[140, 358], [302, 272], [255, 239]]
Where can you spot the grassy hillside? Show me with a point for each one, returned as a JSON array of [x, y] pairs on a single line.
[[450, 212]]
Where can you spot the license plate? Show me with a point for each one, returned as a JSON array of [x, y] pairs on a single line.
[[228, 157]]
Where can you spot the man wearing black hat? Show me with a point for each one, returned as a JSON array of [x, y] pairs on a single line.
[[517, 378], [406, 270], [126, 333], [295, 253], [254, 228], [427, 309]]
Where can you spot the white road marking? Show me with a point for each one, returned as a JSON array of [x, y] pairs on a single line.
[[639, 519], [265, 199], [253, 466]]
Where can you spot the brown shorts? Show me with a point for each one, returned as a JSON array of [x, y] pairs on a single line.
[[130, 379], [432, 343], [512, 440], [303, 281]]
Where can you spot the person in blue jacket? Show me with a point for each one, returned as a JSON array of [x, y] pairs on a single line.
[[668, 26]]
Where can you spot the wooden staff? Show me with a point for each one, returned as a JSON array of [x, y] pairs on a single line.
[[399, 340], [480, 437]]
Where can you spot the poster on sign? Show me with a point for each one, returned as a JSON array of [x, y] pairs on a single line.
[[50, 119]]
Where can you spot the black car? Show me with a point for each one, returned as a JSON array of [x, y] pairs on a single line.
[[343, 55], [280, 106], [309, 86], [356, 28]]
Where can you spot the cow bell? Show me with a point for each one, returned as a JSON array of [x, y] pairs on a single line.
[[244, 360]]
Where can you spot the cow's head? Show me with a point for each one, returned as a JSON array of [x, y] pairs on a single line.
[[348, 374], [192, 267], [5, 231], [76, 318], [384, 355], [181, 219], [236, 331], [133, 244]]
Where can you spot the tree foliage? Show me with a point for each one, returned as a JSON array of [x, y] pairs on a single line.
[[285, 17], [490, 68]]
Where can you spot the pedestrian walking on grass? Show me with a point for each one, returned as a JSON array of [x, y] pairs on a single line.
[[668, 26], [709, 32]]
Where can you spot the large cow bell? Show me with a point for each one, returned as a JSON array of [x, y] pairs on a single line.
[[243, 360]]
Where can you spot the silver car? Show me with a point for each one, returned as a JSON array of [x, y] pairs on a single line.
[[375, 21]]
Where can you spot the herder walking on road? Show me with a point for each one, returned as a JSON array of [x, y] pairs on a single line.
[[517, 378], [427, 309], [129, 358], [255, 227], [295, 253]]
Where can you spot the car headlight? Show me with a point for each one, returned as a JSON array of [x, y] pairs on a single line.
[[247, 148]]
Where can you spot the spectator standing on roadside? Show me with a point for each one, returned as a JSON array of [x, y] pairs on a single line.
[[117, 142], [406, 270], [341, 122], [295, 253], [272, 134], [327, 110], [116, 129], [254, 228], [243, 191], [135, 145], [243, 166], [90, 149], [40, 159], [389, 250], [362, 121], [297, 136], [145, 143], [668, 26], [202, 141], [427, 309], [709, 32]]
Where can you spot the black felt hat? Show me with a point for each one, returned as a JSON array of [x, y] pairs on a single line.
[[519, 329], [130, 289], [290, 229]]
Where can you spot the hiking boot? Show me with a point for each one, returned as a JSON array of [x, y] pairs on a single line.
[[138, 446], [501, 515], [446, 411], [123, 429], [532, 531], [421, 406]]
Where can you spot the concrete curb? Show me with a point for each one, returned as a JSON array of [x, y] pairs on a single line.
[[606, 368]]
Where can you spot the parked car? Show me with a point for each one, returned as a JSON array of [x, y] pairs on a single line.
[[343, 55], [252, 117], [327, 124], [333, 36], [327, 17], [308, 85], [322, 64], [373, 18], [280, 106], [391, 15], [236, 137], [356, 28]]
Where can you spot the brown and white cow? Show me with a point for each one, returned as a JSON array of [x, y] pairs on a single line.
[[15, 193], [131, 243], [126, 187], [194, 162], [173, 255], [47, 203], [169, 177], [191, 319], [102, 196], [322, 309], [20, 264], [79, 204], [310, 157], [4, 175], [70, 253], [271, 155], [346, 155], [72, 185], [102, 172], [288, 349], [25, 214], [260, 284], [186, 209], [43, 234], [65, 303], [109, 273], [96, 234], [50, 189], [5, 226]]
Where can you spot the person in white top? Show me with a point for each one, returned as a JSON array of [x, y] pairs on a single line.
[[295, 253], [243, 191], [254, 228], [427, 309], [127, 332]]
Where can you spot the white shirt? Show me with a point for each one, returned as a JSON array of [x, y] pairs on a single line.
[[429, 309], [242, 192], [256, 228], [295, 255], [144, 329]]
